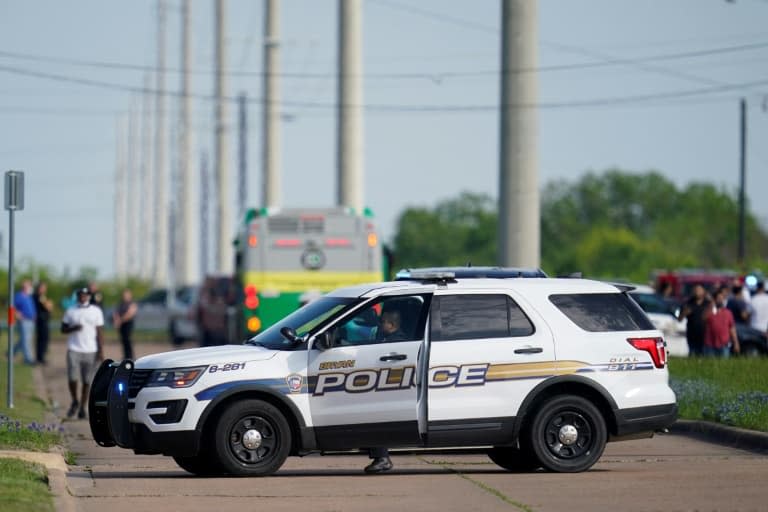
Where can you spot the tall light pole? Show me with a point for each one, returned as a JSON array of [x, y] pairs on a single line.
[[224, 256], [350, 107], [519, 220]]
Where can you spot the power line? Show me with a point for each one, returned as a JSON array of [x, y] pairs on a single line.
[[571, 48], [716, 88], [604, 61]]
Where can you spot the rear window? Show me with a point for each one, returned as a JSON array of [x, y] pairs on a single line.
[[602, 312]]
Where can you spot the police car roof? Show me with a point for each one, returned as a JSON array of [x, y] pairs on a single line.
[[545, 286]]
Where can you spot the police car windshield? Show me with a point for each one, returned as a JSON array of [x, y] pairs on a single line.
[[302, 321]]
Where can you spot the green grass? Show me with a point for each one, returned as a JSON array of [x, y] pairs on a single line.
[[23, 427], [730, 391], [24, 487]]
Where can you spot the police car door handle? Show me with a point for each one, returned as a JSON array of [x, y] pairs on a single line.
[[393, 357], [529, 350]]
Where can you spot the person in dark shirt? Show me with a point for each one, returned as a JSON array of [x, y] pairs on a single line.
[[389, 330], [389, 327], [122, 318], [43, 307], [694, 311], [738, 306]]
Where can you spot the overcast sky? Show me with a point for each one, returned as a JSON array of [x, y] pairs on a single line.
[[637, 85]]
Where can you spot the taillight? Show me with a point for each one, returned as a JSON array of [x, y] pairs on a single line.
[[654, 346], [251, 297]]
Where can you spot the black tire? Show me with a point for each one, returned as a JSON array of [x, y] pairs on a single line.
[[513, 459], [269, 443], [567, 434], [199, 465]]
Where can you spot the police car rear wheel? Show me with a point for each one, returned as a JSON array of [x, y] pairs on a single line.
[[252, 438], [568, 434]]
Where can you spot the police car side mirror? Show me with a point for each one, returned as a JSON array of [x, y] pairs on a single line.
[[323, 341], [290, 334]]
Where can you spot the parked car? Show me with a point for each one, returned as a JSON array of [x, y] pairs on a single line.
[[157, 313], [535, 372]]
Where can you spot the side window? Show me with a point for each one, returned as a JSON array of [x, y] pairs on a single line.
[[519, 324], [465, 317], [387, 320], [602, 312]]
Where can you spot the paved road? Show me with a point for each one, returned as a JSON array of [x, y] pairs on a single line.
[[669, 472]]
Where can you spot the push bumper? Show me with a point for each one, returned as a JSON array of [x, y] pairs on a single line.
[[108, 412], [108, 404]]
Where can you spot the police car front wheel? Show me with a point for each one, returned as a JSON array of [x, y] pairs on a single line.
[[252, 438], [567, 434]]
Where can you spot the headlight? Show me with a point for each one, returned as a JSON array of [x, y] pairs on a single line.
[[175, 377]]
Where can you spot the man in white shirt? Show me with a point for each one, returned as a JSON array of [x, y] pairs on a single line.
[[83, 323], [760, 308]]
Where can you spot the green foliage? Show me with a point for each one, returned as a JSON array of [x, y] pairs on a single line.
[[610, 225], [24, 487], [457, 232], [62, 284], [730, 391]]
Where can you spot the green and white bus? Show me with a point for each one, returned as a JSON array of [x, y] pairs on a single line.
[[286, 257]]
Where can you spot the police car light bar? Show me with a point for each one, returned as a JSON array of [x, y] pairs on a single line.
[[424, 275]]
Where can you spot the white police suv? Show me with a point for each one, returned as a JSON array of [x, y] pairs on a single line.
[[536, 371]]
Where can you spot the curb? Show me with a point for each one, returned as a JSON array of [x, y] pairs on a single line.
[[734, 437], [63, 501]]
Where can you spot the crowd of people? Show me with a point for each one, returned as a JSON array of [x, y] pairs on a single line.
[[82, 323], [712, 318]]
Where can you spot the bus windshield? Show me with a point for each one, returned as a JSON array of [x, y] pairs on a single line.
[[302, 321]]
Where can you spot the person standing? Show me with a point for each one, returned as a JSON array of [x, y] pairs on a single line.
[[693, 312], [759, 319], [83, 323], [739, 307], [721, 328], [25, 315], [122, 318], [389, 330], [43, 309]]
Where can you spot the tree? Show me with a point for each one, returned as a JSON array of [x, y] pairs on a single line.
[[457, 232], [614, 225]]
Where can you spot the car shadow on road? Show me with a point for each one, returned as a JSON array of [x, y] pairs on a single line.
[[319, 473]]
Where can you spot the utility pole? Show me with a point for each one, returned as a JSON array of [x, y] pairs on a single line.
[[121, 199], [204, 221], [519, 220], [133, 198], [185, 255], [145, 232], [242, 152], [742, 178], [224, 254], [161, 175], [271, 107], [350, 107]]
